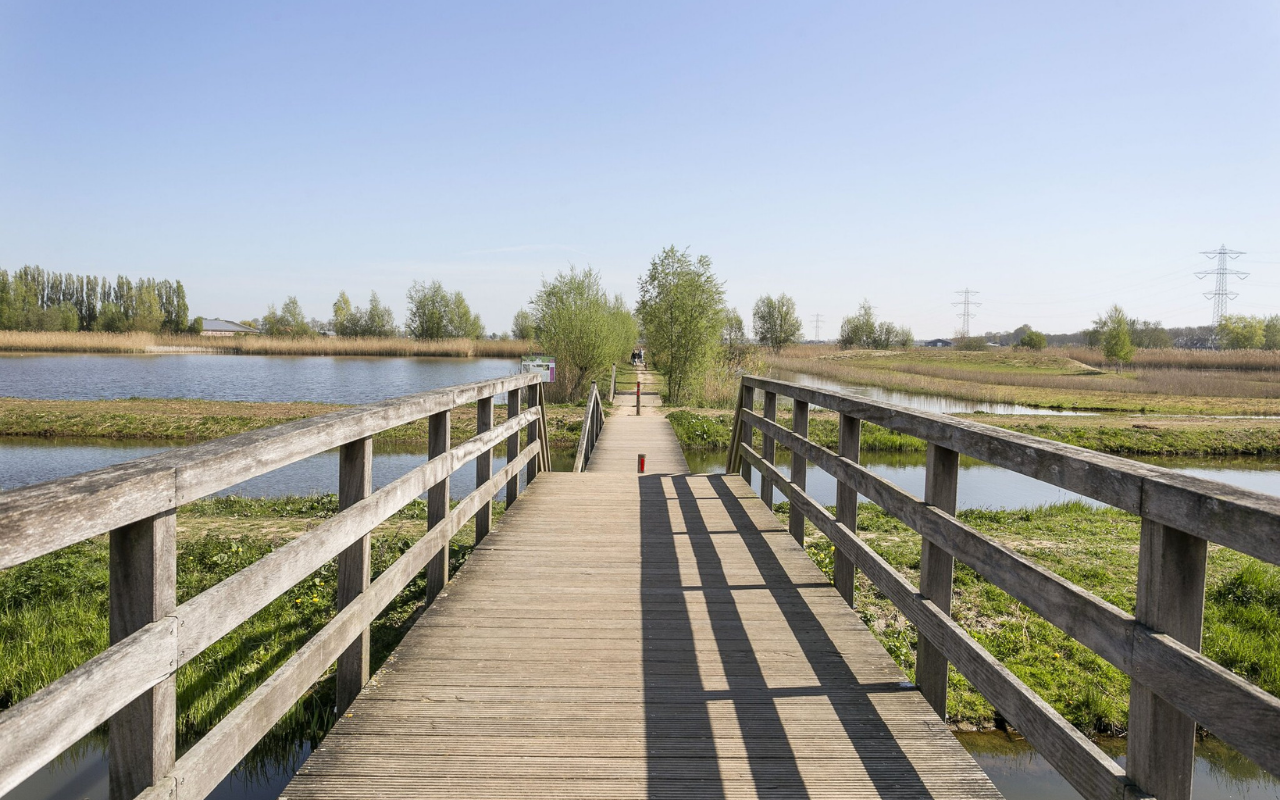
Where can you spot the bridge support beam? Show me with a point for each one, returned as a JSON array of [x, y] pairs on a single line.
[[143, 564], [767, 447], [1171, 577], [941, 478], [850, 447], [746, 433], [355, 483], [437, 503], [799, 468]]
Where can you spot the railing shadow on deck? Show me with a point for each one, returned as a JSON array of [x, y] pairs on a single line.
[[1174, 687], [670, 654], [131, 684]]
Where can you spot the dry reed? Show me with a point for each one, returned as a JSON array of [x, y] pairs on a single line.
[[62, 342], [1173, 358]]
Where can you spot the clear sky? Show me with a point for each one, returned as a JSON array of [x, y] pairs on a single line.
[[1055, 157]]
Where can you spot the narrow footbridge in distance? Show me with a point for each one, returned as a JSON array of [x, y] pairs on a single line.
[[618, 634]]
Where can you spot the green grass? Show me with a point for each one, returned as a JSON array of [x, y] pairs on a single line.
[[53, 609], [1096, 549]]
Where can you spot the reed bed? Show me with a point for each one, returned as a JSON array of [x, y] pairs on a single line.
[[62, 342], [1174, 358], [1179, 382]]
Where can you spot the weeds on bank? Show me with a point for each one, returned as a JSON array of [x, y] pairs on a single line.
[[1097, 549]]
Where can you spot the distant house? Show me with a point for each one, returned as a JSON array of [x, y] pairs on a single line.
[[223, 327], [935, 343]]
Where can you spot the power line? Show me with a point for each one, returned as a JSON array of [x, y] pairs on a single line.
[[966, 315], [817, 322], [1221, 294]]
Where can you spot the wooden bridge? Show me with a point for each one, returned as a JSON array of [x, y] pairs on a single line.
[[634, 635]]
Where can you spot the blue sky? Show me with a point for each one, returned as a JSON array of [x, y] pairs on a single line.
[[1057, 158]]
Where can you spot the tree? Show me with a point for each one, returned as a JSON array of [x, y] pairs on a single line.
[[1238, 332], [1271, 333], [575, 322], [681, 311], [1147, 335], [460, 323], [436, 314], [1033, 340], [378, 320], [344, 321], [734, 334], [288, 321], [1114, 334], [522, 325], [858, 330], [197, 326], [775, 322]]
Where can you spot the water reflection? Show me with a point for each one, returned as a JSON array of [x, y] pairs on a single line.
[[1019, 772]]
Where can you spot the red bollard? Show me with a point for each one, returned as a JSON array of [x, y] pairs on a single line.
[[640, 463]]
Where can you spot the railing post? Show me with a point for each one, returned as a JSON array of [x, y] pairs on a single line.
[[850, 447], [533, 398], [941, 478], [1171, 577], [143, 569], [613, 382], [799, 467], [513, 446], [438, 436], [746, 433], [355, 483], [484, 466], [767, 447]]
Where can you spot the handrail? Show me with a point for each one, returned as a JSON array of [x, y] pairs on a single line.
[[592, 424], [139, 499], [1174, 686]]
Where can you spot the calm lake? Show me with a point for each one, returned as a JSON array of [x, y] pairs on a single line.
[[321, 379]]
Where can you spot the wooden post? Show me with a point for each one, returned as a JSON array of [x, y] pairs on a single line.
[[437, 502], [613, 382], [143, 564], [746, 433], [355, 483], [1171, 577], [484, 466], [799, 467], [941, 478], [533, 398], [637, 398], [850, 447], [767, 447], [513, 446]]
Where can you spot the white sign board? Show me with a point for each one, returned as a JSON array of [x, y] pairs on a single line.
[[544, 364]]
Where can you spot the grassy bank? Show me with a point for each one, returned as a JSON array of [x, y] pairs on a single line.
[[53, 610], [1050, 379], [85, 342], [201, 420], [1096, 549], [709, 429]]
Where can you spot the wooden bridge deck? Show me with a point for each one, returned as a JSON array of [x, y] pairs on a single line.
[[624, 636]]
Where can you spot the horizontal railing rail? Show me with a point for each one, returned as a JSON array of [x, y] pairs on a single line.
[[1174, 685], [592, 424], [130, 685]]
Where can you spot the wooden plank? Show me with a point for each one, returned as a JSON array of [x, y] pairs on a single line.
[[484, 466], [143, 569], [664, 638], [1090, 771], [1241, 519], [1171, 577], [355, 483], [38, 729], [850, 447], [942, 473], [799, 426], [438, 435], [39, 519]]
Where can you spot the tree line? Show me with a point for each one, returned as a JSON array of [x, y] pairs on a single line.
[[33, 299]]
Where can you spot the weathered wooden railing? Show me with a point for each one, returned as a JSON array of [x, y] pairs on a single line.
[[1173, 686], [592, 424], [131, 684]]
